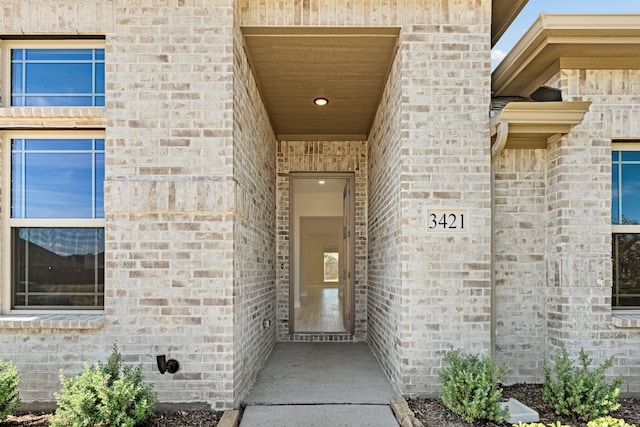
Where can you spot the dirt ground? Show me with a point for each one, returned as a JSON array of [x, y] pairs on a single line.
[[430, 411]]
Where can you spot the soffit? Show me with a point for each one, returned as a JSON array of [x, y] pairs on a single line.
[[503, 12], [347, 65], [556, 42]]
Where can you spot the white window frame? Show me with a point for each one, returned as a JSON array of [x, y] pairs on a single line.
[[7, 45], [8, 223], [623, 229]]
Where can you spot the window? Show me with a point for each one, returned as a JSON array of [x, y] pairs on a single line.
[[56, 183], [56, 226], [62, 74], [331, 266], [625, 220], [53, 246]]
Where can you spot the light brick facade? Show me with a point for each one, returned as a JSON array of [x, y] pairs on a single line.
[[197, 202]]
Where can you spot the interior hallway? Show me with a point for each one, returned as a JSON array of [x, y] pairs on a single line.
[[320, 311]]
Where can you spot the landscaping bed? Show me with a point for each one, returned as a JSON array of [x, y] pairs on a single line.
[[157, 419], [431, 412]]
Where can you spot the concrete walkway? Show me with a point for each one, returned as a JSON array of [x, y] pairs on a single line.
[[320, 384]]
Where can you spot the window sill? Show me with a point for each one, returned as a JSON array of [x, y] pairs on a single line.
[[626, 321], [52, 117], [52, 321]]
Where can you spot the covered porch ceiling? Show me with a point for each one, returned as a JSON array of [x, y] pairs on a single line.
[[349, 66]]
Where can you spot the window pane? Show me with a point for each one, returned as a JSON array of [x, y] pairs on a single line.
[[630, 193], [58, 101], [630, 156], [626, 270], [59, 54], [16, 80], [58, 144], [58, 186], [57, 179], [99, 186], [58, 267], [615, 199], [57, 77]]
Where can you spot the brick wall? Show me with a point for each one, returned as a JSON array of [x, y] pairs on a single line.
[[173, 209], [385, 220], [582, 267], [443, 282], [254, 254], [520, 212], [446, 278], [557, 292]]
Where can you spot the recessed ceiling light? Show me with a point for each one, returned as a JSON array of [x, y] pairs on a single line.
[[321, 182], [321, 101]]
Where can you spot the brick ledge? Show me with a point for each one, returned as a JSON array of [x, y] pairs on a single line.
[[631, 321], [52, 321]]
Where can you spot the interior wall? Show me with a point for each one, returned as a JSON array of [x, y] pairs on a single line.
[[308, 205], [316, 235], [254, 298]]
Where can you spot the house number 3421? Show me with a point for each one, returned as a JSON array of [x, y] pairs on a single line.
[[447, 221]]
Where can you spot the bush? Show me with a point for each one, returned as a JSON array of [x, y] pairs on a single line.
[[9, 398], [104, 395], [578, 392], [609, 422], [470, 387]]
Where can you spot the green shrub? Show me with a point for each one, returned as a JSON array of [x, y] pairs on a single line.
[[579, 392], [609, 422], [104, 395], [470, 387], [9, 380]]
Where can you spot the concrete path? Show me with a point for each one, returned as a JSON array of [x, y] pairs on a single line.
[[320, 384]]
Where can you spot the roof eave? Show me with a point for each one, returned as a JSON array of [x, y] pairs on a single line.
[[567, 41]]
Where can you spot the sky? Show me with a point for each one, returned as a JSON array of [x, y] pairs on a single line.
[[535, 7]]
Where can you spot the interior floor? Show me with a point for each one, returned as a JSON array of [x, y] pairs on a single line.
[[320, 311]]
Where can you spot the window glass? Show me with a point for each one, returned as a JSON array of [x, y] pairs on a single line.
[[615, 195], [57, 178], [55, 267], [331, 266], [625, 186], [625, 211], [57, 77], [626, 270]]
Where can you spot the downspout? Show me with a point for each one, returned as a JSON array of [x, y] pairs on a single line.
[[496, 148]]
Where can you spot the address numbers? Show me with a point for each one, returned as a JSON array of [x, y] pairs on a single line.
[[443, 220]]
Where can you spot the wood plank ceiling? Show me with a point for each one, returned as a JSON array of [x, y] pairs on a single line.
[[347, 65]]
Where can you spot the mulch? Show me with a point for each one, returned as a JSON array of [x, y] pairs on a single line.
[[431, 412]]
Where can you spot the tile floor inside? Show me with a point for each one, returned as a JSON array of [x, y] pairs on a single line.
[[320, 311]]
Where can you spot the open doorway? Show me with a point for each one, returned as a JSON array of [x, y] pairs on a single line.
[[321, 293]]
